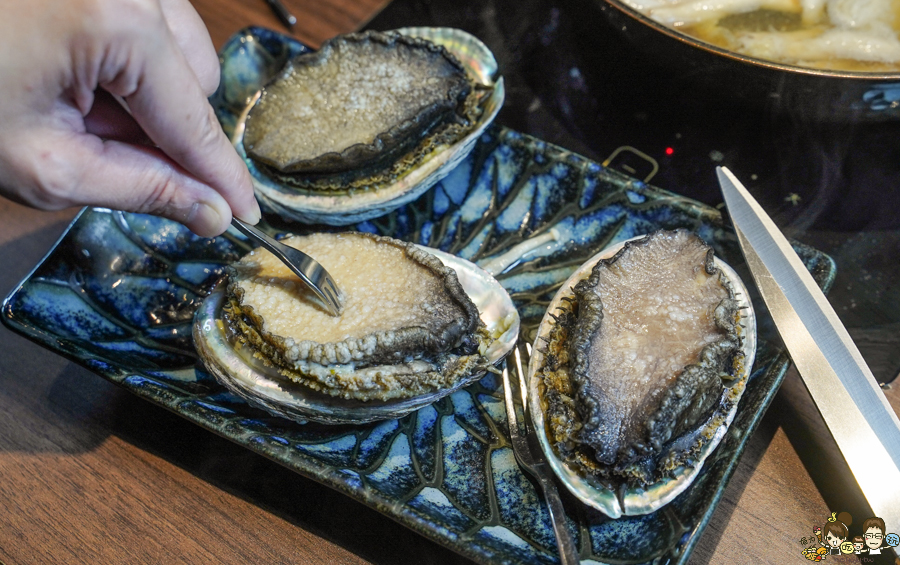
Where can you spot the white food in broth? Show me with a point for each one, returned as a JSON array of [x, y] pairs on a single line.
[[849, 35]]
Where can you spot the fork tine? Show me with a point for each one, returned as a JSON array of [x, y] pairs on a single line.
[[329, 299], [520, 374], [512, 419], [308, 270], [329, 290], [329, 287]]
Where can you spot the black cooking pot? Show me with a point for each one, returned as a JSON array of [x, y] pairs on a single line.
[[820, 95]]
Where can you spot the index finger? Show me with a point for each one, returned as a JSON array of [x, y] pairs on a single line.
[[193, 39], [166, 99]]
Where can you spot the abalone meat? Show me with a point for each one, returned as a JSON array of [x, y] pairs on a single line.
[[408, 333], [638, 369], [392, 114], [360, 111]]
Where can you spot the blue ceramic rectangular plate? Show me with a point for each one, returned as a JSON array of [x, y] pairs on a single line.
[[118, 291]]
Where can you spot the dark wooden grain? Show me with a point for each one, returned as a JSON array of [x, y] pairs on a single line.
[[316, 20], [91, 474]]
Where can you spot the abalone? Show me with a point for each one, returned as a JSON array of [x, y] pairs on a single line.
[[407, 328], [360, 112], [639, 369], [246, 372], [348, 197]]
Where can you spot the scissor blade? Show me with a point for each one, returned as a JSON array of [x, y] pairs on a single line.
[[859, 417]]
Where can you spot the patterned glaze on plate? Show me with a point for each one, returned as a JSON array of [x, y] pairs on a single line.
[[636, 501], [364, 204], [118, 293]]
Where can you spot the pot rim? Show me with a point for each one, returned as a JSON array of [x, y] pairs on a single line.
[[745, 59]]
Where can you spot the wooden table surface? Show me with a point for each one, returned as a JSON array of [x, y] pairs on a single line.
[[91, 474]]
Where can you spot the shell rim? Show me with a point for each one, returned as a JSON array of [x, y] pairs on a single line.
[[662, 492], [283, 398], [344, 209]]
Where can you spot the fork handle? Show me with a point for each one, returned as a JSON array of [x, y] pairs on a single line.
[[275, 247], [260, 237], [278, 249], [564, 541]]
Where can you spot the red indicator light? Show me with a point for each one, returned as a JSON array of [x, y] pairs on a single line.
[[669, 151]]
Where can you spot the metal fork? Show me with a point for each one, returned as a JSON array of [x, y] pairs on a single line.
[[308, 269], [530, 458]]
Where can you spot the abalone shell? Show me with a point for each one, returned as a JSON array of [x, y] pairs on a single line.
[[640, 358]]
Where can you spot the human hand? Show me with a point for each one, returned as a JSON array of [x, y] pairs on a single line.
[[64, 141]]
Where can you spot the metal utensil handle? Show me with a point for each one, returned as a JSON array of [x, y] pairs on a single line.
[[306, 265], [564, 541], [275, 247], [281, 12]]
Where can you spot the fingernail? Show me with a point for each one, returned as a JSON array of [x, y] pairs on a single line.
[[256, 213], [204, 220], [253, 216]]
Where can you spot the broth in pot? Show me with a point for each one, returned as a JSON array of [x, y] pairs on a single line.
[[842, 35]]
